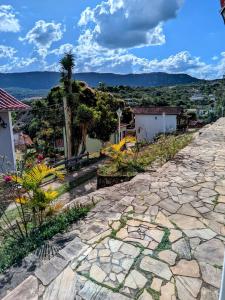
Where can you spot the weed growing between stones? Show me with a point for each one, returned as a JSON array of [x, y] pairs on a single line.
[[155, 295], [165, 243]]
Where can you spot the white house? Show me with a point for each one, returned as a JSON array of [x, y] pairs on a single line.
[[197, 97], [7, 148], [151, 121]]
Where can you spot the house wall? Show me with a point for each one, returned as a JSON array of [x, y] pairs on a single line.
[[7, 149], [94, 145], [148, 126]]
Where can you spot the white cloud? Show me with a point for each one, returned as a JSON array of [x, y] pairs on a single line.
[[63, 49], [91, 57], [215, 57], [43, 35], [129, 23], [17, 64], [7, 52], [8, 19]]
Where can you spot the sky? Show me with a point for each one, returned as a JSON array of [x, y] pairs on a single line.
[[118, 36]]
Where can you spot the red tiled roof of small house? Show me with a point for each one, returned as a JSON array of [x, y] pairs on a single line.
[[168, 110], [9, 103]]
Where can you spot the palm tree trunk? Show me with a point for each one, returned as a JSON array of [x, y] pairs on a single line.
[[68, 125], [84, 137]]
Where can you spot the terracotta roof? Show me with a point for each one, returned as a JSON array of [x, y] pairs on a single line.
[[9, 103], [157, 110]]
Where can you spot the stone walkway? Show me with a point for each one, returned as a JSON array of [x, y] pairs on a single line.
[[160, 236]]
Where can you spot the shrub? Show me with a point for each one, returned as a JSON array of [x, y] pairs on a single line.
[[12, 249], [138, 158]]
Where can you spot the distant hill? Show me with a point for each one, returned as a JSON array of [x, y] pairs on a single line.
[[40, 82]]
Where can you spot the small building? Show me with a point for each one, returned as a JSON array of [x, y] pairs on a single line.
[[197, 97], [8, 104], [151, 121]]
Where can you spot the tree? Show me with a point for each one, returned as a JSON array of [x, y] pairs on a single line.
[[92, 112], [105, 117], [67, 64]]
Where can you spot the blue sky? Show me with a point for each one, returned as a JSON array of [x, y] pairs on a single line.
[[120, 36]]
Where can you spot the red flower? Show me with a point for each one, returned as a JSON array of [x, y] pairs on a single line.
[[40, 157], [7, 178]]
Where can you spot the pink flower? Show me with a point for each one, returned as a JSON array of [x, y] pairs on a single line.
[[7, 178]]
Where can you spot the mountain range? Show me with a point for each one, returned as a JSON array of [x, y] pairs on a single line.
[[38, 83]]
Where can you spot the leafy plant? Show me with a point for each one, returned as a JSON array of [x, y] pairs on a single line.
[[31, 195], [122, 157], [33, 203]]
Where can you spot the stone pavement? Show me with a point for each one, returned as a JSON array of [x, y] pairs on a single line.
[[160, 236]]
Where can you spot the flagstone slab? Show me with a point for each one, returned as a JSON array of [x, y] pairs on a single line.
[[221, 199], [27, 290], [168, 292], [156, 267], [73, 249], [63, 287], [220, 190], [205, 234], [188, 288], [168, 256], [209, 294], [220, 208], [186, 268], [211, 252], [194, 242], [182, 248], [156, 284], [175, 235], [161, 219], [206, 193], [91, 290], [135, 280], [185, 198], [186, 222], [211, 274], [187, 209], [215, 216], [50, 270], [169, 205]]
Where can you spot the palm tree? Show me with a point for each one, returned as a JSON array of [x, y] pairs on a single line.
[[67, 64]]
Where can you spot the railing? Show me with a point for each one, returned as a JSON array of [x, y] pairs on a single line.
[[70, 163]]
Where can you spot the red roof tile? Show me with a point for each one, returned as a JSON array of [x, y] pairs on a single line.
[[157, 110], [9, 103]]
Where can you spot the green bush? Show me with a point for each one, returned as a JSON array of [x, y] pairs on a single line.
[[13, 250], [165, 148]]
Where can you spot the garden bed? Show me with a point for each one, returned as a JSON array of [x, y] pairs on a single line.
[[124, 165]]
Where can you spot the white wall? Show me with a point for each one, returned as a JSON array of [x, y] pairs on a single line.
[[148, 126], [7, 149], [94, 145]]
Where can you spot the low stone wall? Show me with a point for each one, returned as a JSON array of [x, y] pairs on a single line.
[[107, 181]]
